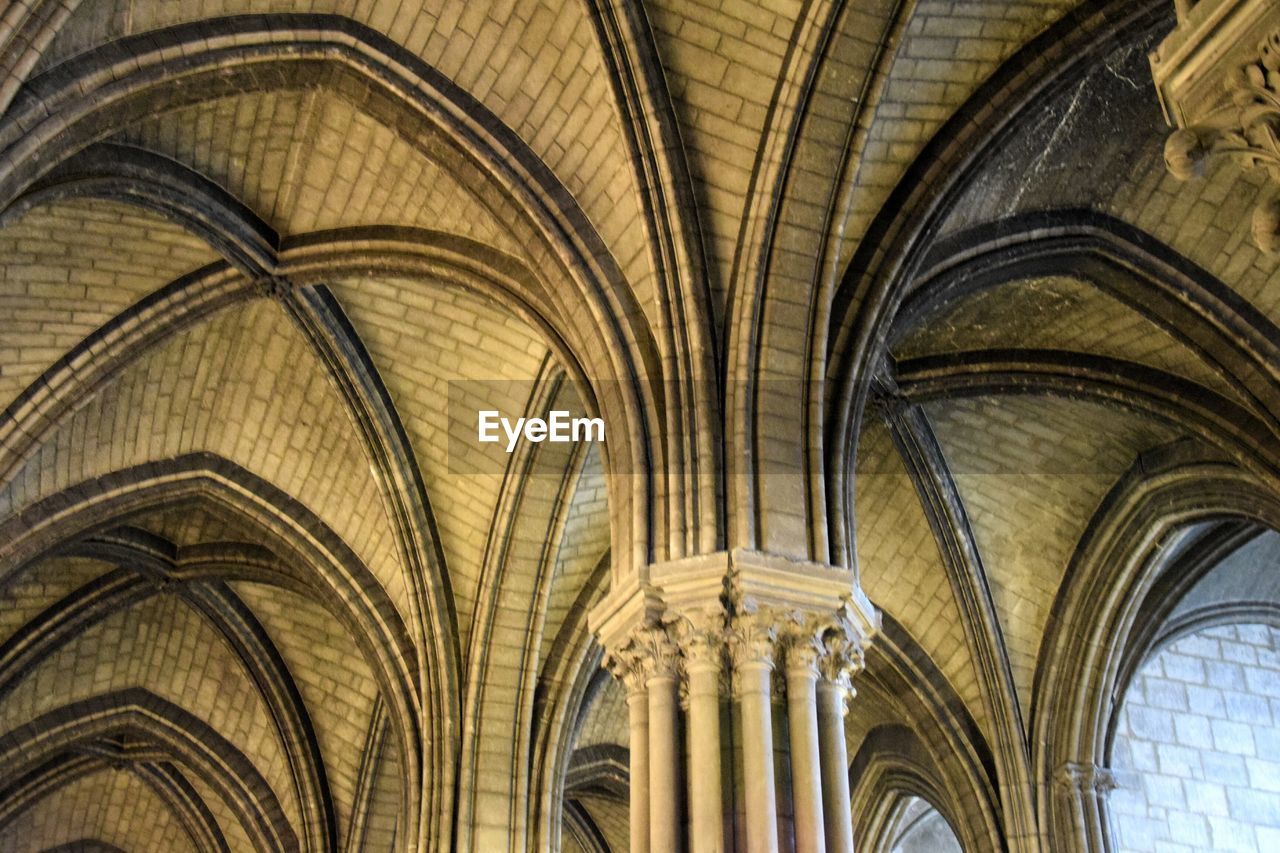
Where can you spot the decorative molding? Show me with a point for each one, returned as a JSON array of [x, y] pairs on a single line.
[[662, 654], [629, 665], [702, 637], [843, 657], [163, 731], [1218, 78], [1071, 375]]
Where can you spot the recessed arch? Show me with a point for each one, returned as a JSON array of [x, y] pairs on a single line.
[[1111, 582], [569, 678], [327, 570], [193, 577], [901, 675], [1144, 390], [940, 497], [1228, 333], [170, 730], [892, 766], [133, 175], [150, 766]]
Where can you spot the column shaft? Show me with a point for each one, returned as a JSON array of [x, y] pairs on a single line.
[[638, 708], [1093, 811], [757, 756], [705, 796], [664, 778], [835, 767], [806, 773]]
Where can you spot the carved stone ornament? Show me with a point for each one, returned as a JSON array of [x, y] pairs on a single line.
[[273, 286], [659, 646], [1085, 778], [701, 638], [844, 655], [753, 642], [703, 641], [1218, 76], [753, 637], [629, 665], [802, 637]]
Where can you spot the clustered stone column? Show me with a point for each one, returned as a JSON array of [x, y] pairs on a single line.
[[1086, 788], [707, 620]]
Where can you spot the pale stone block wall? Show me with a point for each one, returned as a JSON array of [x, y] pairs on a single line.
[[1197, 750]]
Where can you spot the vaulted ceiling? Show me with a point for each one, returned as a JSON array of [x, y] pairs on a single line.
[[261, 262]]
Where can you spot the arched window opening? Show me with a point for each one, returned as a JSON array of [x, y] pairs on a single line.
[[1196, 748], [920, 828], [596, 784]]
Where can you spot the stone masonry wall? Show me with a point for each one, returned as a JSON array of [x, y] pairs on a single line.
[[1197, 750]]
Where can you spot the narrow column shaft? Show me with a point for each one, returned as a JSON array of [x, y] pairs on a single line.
[[835, 765], [664, 780], [806, 773], [1080, 820], [757, 755], [1093, 810], [706, 803], [1085, 788], [638, 711]]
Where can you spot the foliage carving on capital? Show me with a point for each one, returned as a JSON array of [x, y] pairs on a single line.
[[1082, 778], [628, 665], [647, 651], [661, 649], [701, 636], [1244, 126], [802, 639], [753, 637], [843, 653]]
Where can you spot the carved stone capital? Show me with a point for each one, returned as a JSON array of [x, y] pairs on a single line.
[[701, 636], [629, 665], [753, 638], [803, 658], [802, 640], [843, 653], [649, 652], [1085, 779], [663, 655], [1218, 78]]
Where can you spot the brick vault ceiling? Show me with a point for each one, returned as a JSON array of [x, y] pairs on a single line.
[[289, 535]]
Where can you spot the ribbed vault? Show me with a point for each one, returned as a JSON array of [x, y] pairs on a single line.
[[898, 287]]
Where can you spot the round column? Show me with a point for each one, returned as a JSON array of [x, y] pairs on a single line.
[[806, 770], [638, 711], [664, 757], [1085, 788], [629, 666], [833, 693], [703, 649], [752, 645]]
